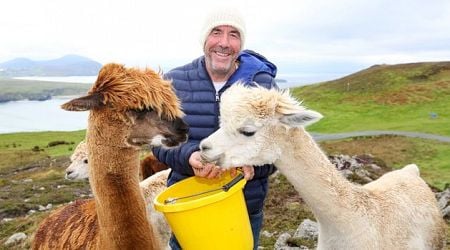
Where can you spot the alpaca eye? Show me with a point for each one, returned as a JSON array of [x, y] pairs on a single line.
[[247, 133], [141, 113], [85, 161]]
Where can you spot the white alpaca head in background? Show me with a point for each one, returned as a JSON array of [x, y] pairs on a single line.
[[253, 115], [79, 167]]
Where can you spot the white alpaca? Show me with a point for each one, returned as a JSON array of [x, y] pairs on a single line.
[[397, 211], [79, 167], [151, 187]]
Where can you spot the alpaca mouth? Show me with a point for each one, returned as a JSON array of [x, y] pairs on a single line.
[[139, 141], [206, 159], [173, 142]]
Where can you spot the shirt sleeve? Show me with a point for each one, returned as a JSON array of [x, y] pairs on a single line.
[[177, 158]]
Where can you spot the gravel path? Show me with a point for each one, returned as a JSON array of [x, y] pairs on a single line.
[[326, 137]]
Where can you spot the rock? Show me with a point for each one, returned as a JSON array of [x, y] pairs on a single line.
[[446, 212], [48, 207], [360, 169], [308, 229], [265, 233], [444, 202], [15, 239], [4, 220], [281, 243]]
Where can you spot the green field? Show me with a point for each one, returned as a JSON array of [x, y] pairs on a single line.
[[19, 148], [400, 97]]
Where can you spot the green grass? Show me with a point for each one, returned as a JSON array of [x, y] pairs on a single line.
[[351, 117], [399, 97], [17, 149]]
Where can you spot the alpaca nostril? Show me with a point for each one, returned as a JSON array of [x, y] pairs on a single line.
[[181, 126], [69, 172], [204, 147]]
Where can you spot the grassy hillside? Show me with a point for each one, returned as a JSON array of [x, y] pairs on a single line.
[[384, 97], [17, 149], [16, 89]]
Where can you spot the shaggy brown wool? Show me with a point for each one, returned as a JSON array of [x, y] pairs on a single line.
[[113, 83]]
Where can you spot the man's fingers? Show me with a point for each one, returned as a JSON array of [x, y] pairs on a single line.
[[233, 172], [249, 172]]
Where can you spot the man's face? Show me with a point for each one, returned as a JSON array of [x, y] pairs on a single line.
[[221, 49]]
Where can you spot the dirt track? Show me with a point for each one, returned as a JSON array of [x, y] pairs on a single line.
[[327, 137]]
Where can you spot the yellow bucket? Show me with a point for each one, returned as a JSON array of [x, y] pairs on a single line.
[[205, 214]]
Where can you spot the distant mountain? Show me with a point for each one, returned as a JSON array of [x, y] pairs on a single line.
[[69, 65]]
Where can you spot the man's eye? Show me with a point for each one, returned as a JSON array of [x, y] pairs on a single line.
[[247, 133], [235, 35]]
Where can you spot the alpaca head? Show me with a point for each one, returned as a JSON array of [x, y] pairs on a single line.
[[132, 107], [79, 167], [251, 121]]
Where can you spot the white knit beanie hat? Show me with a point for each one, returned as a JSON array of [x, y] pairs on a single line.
[[223, 16]]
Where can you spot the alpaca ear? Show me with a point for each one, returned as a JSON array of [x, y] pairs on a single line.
[[84, 103], [302, 118]]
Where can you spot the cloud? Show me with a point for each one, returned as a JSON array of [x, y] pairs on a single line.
[[327, 35]]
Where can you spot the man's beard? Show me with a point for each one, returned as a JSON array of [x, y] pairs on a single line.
[[221, 69]]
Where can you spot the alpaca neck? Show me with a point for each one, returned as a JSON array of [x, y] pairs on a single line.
[[120, 206], [313, 176]]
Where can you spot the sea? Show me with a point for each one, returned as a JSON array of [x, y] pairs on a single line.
[[31, 116]]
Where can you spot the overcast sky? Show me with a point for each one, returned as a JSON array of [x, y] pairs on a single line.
[[300, 36]]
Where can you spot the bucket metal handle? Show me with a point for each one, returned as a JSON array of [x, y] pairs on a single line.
[[225, 188], [233, 182]]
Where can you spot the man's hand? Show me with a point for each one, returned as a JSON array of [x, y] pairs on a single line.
[[249, 172], [207, 170]]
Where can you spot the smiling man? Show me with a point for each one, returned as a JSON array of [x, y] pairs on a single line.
[[199, 86]]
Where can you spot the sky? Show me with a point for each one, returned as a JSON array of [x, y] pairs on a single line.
[[321, 38]]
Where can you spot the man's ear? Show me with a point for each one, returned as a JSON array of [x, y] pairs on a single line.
[[84, 103], [302, 118]]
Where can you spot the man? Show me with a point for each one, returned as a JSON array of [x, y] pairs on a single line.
[[199, 86]]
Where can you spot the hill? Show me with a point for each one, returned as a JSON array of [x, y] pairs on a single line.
[[69, 65], [409, 97], [16, 89]]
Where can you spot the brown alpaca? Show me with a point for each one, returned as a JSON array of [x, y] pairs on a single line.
[[150, 165], [128, 108]]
